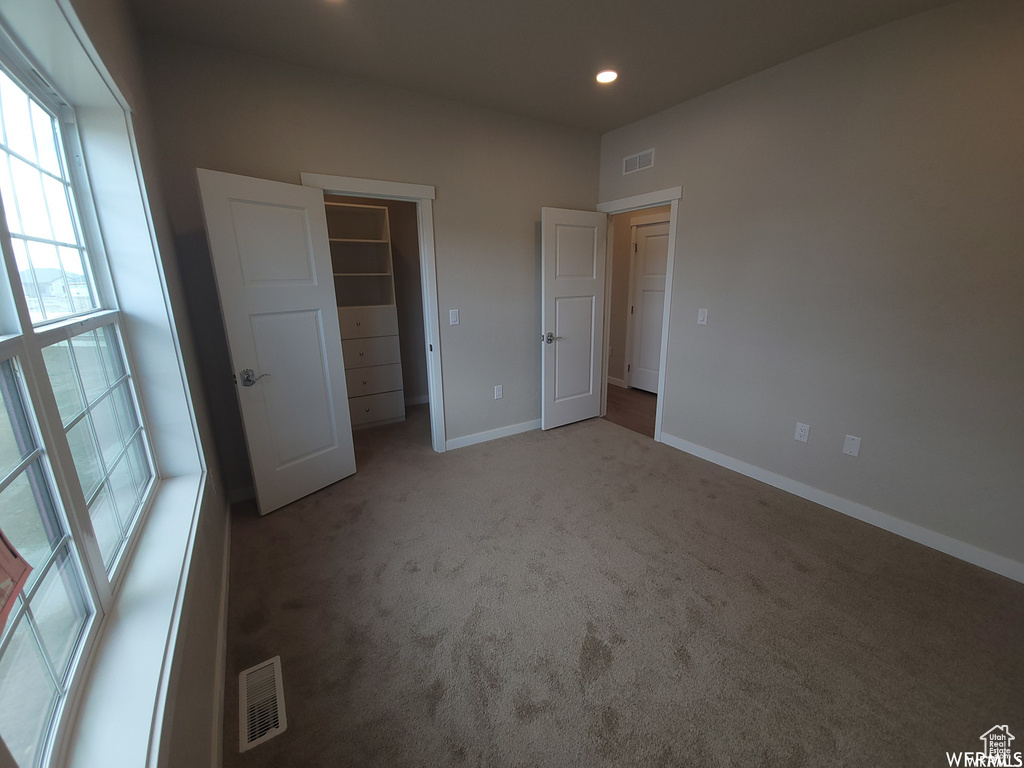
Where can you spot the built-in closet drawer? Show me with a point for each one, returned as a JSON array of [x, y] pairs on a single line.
[[379, 378], [362, 353], [380, 407], [363, 322]]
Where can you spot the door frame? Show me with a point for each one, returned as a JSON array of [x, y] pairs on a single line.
[[423, 195], [634, 222], [670, 196]]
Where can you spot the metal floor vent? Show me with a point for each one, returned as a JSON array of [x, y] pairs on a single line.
[[260, 704]]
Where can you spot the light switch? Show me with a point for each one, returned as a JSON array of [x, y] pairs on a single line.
[[851, 445], [702, 317], [453, 317]]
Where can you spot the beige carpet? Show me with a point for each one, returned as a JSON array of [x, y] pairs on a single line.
[[587, 597]]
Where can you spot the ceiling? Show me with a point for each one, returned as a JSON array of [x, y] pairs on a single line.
[[535, 58]]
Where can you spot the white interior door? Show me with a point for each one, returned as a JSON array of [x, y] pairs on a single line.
[[273, 265], [572, 314], [648, 304]]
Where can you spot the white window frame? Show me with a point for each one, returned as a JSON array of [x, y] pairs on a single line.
[[35, 337], [26, 344], [121, 704]]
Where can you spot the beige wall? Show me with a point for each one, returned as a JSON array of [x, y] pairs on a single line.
[[492, 173], [618, 317], [853, 221]]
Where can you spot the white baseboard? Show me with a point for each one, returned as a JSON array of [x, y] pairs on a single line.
[[417, 400], [491, 434], [990, 561], [617, 382], [220, 673]]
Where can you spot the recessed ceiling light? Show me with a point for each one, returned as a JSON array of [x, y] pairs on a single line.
[[607, 76]]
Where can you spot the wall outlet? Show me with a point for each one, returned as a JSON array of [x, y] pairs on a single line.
[[702, 317], [851, 445], [801, 432], [453, 317], [497, 392]]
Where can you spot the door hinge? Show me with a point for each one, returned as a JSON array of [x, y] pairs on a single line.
[[631, 309], [634, 247], [431, 347], [629, 368]]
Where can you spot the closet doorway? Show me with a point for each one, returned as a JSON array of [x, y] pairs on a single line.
[[410, 215]]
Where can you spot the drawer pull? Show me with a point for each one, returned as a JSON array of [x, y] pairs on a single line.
[[367, 410], [364, 381], [359, 322], [360, 354]]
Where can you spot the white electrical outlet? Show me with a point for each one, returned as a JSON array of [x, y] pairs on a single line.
[[497, 392], [702, 317], [453, 317], [851, 445], [801, 432]]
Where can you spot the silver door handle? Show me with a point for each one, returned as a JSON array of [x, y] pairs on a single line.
[[549, 338], [249, 376]]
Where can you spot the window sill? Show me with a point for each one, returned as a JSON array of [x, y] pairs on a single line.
[[121, 706]]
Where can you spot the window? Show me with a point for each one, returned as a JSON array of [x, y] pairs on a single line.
[[49, 617], [39, 205], [96, 403], [75, 465]]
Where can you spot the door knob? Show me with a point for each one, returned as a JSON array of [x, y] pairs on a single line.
[[249, 376], [549, 338]]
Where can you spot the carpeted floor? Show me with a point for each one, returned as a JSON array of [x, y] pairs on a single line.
[[588, 597]]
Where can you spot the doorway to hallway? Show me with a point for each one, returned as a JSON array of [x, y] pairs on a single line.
[[633, 409], [638, 250]]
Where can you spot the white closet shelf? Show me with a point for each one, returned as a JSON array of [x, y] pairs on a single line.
[[364, 282]]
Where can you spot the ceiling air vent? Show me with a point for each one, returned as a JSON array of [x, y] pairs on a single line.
[[641, 161], [260, 704]]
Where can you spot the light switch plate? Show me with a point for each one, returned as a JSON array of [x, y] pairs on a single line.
[[702, 317], [453, 317], [851, 445]]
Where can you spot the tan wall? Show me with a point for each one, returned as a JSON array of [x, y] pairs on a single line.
[[492, 173], [853, 221], [622, 247]]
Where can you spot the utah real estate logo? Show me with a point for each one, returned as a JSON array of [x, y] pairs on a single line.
[[997, 751]]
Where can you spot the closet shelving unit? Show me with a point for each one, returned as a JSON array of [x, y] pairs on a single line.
[[364, 282]]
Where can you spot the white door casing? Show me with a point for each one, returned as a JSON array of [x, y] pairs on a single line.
[[650, 263], [670, 196], [268, 242], [423, 196], [573, 252]]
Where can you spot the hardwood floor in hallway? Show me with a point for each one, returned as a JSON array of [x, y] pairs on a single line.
[[633, 409]]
